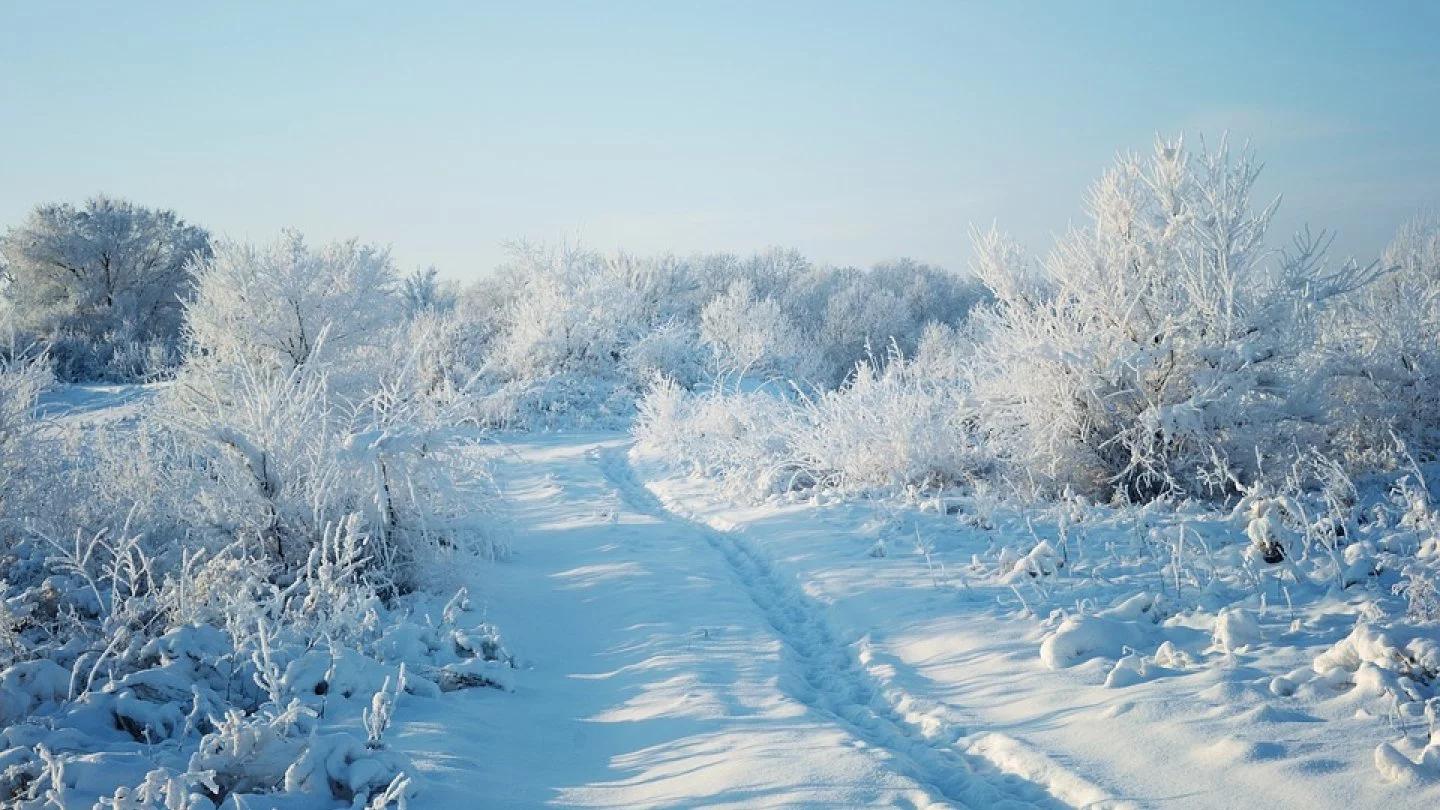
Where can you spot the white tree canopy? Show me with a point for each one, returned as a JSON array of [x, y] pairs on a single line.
[[107, 272], [283, 302]]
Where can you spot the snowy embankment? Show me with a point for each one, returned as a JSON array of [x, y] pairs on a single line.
[[1208, 697]]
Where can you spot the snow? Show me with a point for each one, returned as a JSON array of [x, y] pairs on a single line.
[[93, 403], [1146, 523], [675, 648], [660, 670], [1187, 728]]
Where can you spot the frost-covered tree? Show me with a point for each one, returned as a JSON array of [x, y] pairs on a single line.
[[747, 333], [570, 313], [852, 316], [95, 280], [284, 302], [1159, 344], [423, 291], [1385, 349]]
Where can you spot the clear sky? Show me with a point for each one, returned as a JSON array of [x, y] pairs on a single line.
[[852, 131]]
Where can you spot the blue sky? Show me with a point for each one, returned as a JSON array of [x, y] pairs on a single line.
[[852, 131]]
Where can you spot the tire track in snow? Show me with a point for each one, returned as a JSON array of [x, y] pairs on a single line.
[[833, 681]]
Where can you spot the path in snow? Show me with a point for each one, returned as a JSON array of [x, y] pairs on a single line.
[[667, 664], [953, 653], [833, 678]]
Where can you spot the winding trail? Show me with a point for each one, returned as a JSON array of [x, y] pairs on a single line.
[[832, 680], [667, 664]]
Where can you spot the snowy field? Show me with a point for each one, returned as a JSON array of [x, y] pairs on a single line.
[[1149, 522], [674, 648], [690, 652]]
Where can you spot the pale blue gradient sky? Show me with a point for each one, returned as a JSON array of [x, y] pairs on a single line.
[[852, 131]]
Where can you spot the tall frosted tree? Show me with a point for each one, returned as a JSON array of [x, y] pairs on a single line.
[[283, 304], [102, 284], [1384, 354], [1162, 348]]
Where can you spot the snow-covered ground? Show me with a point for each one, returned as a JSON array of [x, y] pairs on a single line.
[[662, 666], [92, 404], [1208, 732], [679, 651]]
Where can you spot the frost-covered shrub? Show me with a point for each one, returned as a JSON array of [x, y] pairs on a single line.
[[737, 437], [101, 285], [550, 346], [275, 459], [671, 350], [222, 657], [889, 429], [1383, 352], [1158, 342], [571, 337], [113, 356], [566, 315], [852, 316], [286, 304], [434, 355], [23, 378], [748, 334], [423, 291], [25, 470], [265, 445], [883, 429], [307, 397]]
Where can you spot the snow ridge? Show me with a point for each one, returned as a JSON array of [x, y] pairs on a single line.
[[831, 679]]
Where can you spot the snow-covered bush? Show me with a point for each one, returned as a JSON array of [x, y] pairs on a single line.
[[285, 304], [886, 429], [423, 291], [571, 337], [25, 469], [671, 350], [1157, 350], [1383, 352], [736, 437], [851, 316], [23, 378], [307, 396], [748, 334], [550, 337], [221, 654], [275, 459], [566, 315], [101, 285]]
